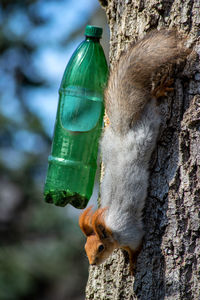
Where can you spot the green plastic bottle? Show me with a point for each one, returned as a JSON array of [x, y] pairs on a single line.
[[73, 161]]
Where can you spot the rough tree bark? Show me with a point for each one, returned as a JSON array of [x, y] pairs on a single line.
[[168, 266]]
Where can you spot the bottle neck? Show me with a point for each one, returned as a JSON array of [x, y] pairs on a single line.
[[92, 38]]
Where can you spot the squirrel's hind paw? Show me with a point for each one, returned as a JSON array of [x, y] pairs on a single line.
[[163, 88]]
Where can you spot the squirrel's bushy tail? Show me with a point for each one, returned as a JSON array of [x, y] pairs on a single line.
[[130, 82]]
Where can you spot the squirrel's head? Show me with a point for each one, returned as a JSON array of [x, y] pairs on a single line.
[[100, 243]]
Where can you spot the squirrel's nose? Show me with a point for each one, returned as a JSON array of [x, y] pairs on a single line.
[[93, 264]]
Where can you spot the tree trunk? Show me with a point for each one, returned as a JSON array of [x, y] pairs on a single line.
[[168, 266]]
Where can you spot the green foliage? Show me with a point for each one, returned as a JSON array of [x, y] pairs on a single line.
[[47, 260]]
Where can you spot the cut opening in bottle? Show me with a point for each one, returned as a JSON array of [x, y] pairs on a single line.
[[80, 109]]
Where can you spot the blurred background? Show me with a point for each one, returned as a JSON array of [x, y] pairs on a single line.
[[41, 246]]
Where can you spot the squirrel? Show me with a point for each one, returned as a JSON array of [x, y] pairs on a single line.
[[137, 80]]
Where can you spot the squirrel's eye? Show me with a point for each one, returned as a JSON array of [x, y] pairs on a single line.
[[101, 248]]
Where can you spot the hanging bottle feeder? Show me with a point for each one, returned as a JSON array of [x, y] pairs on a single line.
[[73, 161]]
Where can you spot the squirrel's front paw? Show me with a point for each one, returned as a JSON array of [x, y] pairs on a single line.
[[133, 258]]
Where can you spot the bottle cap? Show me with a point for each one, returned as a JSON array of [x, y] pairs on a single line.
[[93, 31]]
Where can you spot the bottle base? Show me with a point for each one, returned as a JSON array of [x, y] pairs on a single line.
[[62, 198]]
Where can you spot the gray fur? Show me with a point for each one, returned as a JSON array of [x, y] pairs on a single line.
[[124, 187]]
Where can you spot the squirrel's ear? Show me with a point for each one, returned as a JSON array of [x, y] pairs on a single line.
[[85, 221], [98, 223]]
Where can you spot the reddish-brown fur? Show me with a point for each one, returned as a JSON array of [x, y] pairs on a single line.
[[93, 226]]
